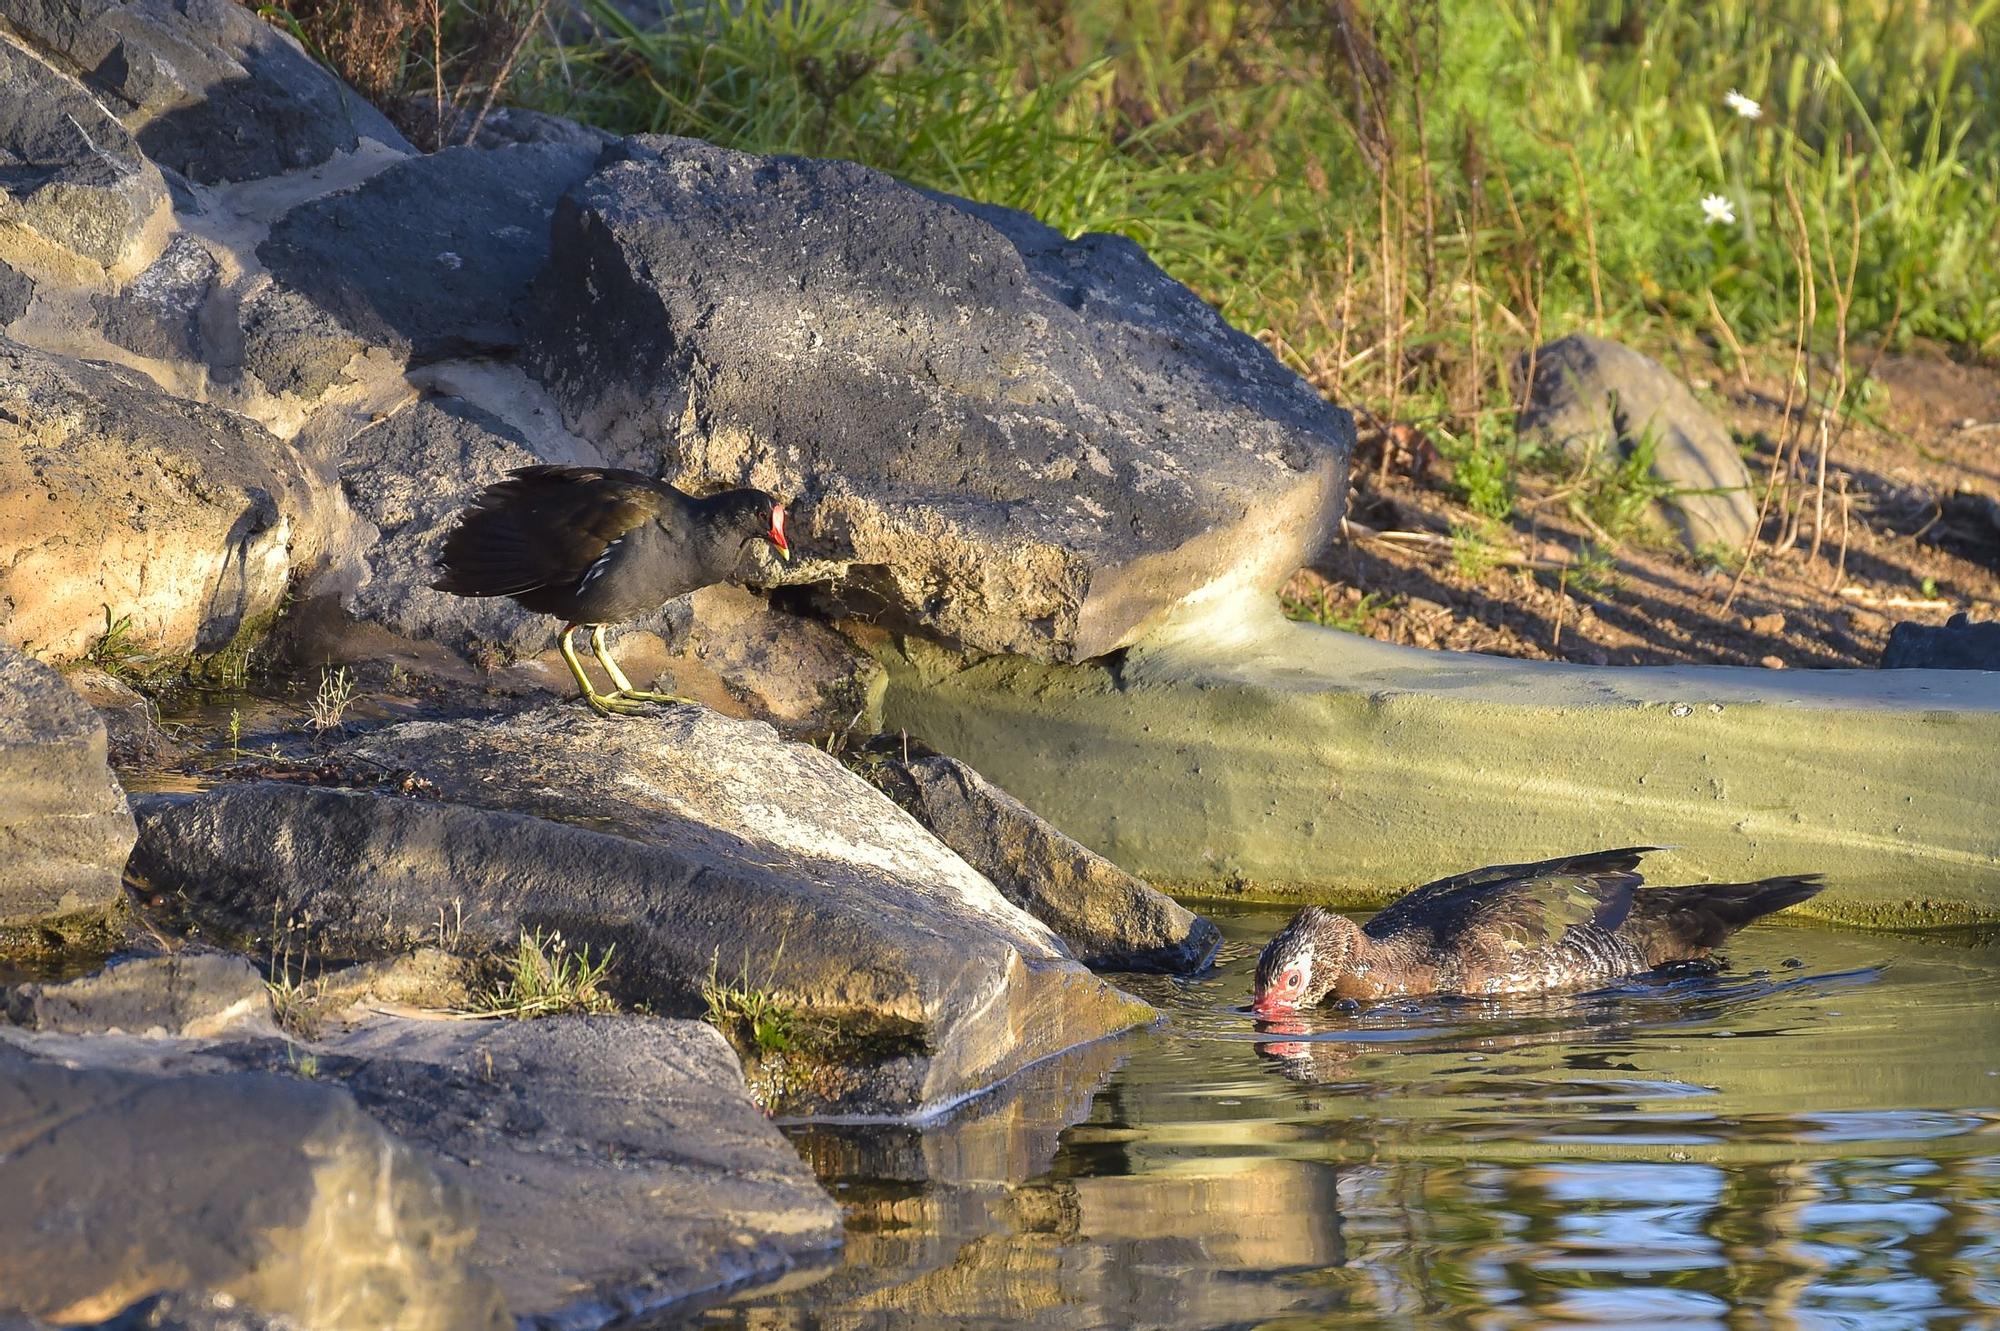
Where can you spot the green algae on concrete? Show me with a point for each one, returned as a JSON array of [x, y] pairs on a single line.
[[1240, 754]]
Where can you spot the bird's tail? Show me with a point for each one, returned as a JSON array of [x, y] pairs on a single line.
[[1682, 923]]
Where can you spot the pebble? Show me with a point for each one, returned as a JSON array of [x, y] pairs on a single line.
[[1771, 623], [1773, 663]]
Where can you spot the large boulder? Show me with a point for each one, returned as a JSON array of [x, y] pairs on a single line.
[[702, 849], [277, 1192], [1595, 399], [70, 173], [117, 500], [209, 89], [195, 994], [64, 828], [1107, 917], [1958, 644], [617, 1163], [452, 239], [1022, 442]]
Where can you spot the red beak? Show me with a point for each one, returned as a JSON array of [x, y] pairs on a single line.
[[776, 536], [1273, 1005]]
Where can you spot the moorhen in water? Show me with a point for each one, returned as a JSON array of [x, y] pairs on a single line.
[[594, 547], [1571, 923]]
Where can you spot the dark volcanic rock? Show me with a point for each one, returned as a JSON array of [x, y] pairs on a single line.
[[192, 994], [64, 827], [158, 313], [276, 1191], [451, 242], [617, 1163], [209, 89], [1022, 442], [17, 292], [186, 518], [1107, 917], [294, 346], [410, 476], [697, 846], [1595, 398], [68, 171], [1960, 644]]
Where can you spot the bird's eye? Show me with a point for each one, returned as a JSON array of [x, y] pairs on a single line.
[[1291, 979]]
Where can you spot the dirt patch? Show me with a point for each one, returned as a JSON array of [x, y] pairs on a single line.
[[1916, 537]]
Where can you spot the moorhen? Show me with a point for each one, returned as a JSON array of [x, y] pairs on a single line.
[[593, 547], [1564, 924]]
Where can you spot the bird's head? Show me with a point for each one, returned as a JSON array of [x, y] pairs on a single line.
[[753, 515], [1300, 966]]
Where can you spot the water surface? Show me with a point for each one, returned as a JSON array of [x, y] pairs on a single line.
[[1808, 1138]]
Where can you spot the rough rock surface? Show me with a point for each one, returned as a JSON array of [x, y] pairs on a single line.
[[185, 518], [131, 720], [275, 1191], [68, 171], [409, 477], [159, 313], [64, 827], [696, 846], [195, 994], [17, 292], [617, 1163], [736, 651], [1025, 443], [1107, 917], [1960, 644], [1595, 398], [209, 89], [453, 240]]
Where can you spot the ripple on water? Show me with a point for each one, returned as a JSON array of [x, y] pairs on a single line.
[[1812, 1145]]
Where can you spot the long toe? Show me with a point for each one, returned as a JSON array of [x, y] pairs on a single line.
[[647, 695], [610, 704]]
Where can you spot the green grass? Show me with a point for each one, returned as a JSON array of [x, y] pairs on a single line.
[[753, 1019], [545, 977], [1319, 609]]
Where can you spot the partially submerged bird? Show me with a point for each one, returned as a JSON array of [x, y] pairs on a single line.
[[595, 547], [1564, 924]]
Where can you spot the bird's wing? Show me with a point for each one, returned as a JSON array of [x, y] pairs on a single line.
[[1521, 906], [544, 527]]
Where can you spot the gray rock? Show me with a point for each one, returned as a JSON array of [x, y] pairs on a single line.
[[186, 518], [277, 1192], [293, 346], [452, 242], [1595, 398], [159, 312], [617, 1163], [193, 994], [209, 89], [736, 651], [68, 171], [1107, 917], [1960, 644], [1025, 443], [409, 476], [131, 721], [17, 292], [696, 846], [64, 828], [185, 1310]]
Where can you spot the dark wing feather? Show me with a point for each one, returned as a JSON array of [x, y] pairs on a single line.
[[544, 527], [1520, 906]]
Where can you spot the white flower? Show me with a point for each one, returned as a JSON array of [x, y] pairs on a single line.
[[1742, 105], [1717, 210]]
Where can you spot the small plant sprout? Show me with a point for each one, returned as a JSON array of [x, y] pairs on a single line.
[[1717, 210], [329, 706], [546, 978], [235, 732], [747, 1014], [1743, 106]]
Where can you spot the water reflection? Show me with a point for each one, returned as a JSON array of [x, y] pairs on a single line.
[[1770, 1146]]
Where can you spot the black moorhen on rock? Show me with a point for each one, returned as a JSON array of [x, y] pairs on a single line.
[[596, 547], [1572, 923]]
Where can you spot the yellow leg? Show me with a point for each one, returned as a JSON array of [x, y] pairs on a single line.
[[621, 686], [602, 704]]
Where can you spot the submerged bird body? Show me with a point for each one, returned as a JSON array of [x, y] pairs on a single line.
[[1563, 924], [594, 546]]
